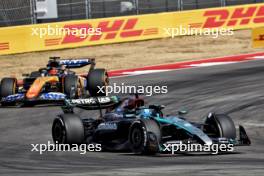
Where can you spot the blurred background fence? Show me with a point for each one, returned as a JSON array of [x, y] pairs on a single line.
[[20, 12]]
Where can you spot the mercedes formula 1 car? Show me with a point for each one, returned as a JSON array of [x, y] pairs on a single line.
[[54, 83], [130, 125]]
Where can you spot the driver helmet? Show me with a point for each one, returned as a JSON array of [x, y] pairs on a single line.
[[53, 71], [146, 113]]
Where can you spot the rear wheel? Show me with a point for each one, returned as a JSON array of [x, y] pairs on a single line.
[[71, 86], [144, 137], [68, 129], [221, 125], [95, 79]]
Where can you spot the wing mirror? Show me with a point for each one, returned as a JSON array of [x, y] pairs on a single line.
[[182, 112], [25, 75], [157, 107]]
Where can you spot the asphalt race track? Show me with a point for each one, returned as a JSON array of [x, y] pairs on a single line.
[[236, 89]]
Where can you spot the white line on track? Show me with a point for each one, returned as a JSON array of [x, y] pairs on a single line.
[[253, 124], [189, 66], [211, 64], [258, 57], [144, 72]]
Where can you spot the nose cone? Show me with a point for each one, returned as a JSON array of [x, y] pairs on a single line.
[[31, 95]]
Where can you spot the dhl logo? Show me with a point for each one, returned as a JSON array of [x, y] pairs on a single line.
[[260, 38], [110, 30], [4, 46], [237, 17]]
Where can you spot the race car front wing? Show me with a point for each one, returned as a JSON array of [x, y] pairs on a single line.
[[20, 98]]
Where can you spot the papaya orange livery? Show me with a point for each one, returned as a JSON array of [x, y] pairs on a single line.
[[54, 83], [38, 84]]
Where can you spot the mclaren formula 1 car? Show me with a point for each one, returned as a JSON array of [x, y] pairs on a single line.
[[54, 83], [130, 125]]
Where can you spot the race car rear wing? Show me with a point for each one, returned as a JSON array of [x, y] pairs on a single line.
[[77, 63], [74, 63], [92, 103]]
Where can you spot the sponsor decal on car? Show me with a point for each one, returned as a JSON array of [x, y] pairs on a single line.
[[107, 126], [52, 96], [74, 62], [91, 101], [12, 98]]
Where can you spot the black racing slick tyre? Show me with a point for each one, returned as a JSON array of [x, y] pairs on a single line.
[[221, 125], [144, 137], [68, 129], [96, 79], [70, 86], [8, 87]]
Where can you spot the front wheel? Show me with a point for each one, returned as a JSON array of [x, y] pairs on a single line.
[[8, 87], [68, 129], [144, 137], [220, 125]]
